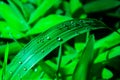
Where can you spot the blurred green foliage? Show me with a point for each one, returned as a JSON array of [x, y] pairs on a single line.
[[82, 58]]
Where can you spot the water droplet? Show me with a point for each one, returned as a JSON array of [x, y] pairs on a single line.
[[20, 62], [42, 40], [35, 70], [59, 39], [42, 51], [25, 69], [48, 38]]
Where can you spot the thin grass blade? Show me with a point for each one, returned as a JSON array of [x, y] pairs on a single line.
[[82, 67]]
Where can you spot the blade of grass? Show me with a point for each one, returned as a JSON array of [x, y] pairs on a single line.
[[4, 71], [43, 44], [82, 67], [59, 62]]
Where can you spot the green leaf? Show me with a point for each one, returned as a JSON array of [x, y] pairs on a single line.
[[69, 68], [66, 6], [101, 57], [15, 8], [70, 54], [75, 5], [107, 42], [33, 73], [12, 18], [114, 52], [14, 47], [6, 30], [109, 53], [44, 43], [85, 60], [59, 60], [80, 42], [28, 8], [4, 71], [48, 69], [100, 5], [107, 74], [47, 22], [35, 2], [1, 74], [23, 1], [18, 3], [41, 10]]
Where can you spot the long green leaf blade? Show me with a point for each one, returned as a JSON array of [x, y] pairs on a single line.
[[43, 44], [81, 69]]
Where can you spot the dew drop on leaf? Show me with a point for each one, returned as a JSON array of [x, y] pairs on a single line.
[[48, 38], [20, 62], [25, 69], [35, 70], [42, 40], [42, 51], [59, 39]]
